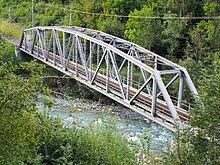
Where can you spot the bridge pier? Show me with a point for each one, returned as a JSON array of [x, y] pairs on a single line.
[[21, 56]]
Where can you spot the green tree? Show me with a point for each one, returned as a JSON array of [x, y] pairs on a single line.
[[144, 32], [17, 112], [185, 7], [204, 37], [172, 35], [28, 136], [199, 143], [207, 116]]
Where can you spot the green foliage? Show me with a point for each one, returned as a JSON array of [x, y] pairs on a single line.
[[172, 35], [17, 112], [210, 8], [144, 32], [95, 144], [16, 29], [28, 136], [194, 68], [111, 25], [203, 39], [122, 7], [207, 115], [6, 50], [200, 143], [102, 145]]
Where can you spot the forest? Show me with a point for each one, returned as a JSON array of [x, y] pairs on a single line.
[[186, 32]]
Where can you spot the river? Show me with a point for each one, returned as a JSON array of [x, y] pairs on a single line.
[[131, 125]]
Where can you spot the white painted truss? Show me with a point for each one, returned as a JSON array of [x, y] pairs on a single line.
[[123, 71]]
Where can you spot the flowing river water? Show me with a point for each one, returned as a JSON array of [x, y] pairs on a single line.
[[130, 124]]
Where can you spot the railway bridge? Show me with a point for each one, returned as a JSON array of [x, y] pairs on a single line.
[[123, 71]]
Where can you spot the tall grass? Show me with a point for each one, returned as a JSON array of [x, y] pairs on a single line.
[[14, 32]]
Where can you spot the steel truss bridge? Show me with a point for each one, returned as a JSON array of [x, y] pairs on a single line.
[[123, 71]]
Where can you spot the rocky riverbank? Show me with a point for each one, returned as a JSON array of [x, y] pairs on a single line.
[[134, 127]]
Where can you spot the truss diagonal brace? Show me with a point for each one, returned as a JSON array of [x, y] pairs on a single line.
[[189, 83], [169, 83], [117, 75], [98, 67], [166, 96], [41, 42], [33, 43], [82, 56], [139, 91], [49, 45], [58, 46]]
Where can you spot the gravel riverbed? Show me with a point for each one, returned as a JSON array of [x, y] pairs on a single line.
[[131, 125]]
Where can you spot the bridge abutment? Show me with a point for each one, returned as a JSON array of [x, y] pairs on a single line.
[[21, 56]]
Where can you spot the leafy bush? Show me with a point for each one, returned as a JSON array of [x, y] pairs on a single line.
[[95, 144], [28, 136]]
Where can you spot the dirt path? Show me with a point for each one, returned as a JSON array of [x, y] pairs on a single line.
[[10, 39]]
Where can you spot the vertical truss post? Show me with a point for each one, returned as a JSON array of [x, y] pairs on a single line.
[[45, 39], [107, 71], [37, 44], [132, 73], [128, 80], [90, 60], [112, 69], [64, 51], [46, 44], [85, 47], [33, 42], [154, 90], [69, 50], [59, 47], [154, 97], [180, 93], [98, 47], [29, 40], [72, 48], [49, 45], [54, 47], [25, 40], [76, 57], [132, 69]]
